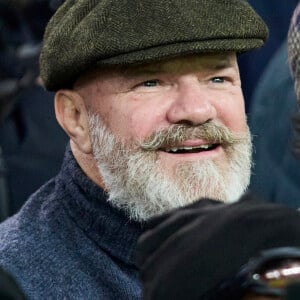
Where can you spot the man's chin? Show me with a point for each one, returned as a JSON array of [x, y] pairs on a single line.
[[156, 192], [143, 184], [145, 188]]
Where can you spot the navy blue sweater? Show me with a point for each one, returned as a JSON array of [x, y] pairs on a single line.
[[67, 242]]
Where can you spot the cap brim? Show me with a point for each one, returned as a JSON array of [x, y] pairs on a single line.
[[180, 49]]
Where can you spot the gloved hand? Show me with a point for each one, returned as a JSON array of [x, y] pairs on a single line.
[[186, 253]]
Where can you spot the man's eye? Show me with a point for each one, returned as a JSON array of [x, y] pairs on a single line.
[[218, 79], [150, 83], [147, 85]]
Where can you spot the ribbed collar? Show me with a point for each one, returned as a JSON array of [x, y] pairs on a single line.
[[87, 205]]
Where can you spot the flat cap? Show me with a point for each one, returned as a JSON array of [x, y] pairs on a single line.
[[84, 34]]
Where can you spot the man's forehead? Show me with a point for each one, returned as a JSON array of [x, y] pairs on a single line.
[[182, 64]]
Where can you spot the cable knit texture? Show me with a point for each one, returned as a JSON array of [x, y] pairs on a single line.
[[67, 242]]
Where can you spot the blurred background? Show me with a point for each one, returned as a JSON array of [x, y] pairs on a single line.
[[32, 143], [271, 105]]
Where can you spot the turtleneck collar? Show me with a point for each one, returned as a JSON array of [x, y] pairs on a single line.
[[87, 205]]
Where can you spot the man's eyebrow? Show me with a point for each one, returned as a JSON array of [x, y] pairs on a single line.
[[222, 64], [156, 69], [141, 71]]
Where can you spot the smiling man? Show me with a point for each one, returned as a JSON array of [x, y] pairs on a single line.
[[162, 134], [149, 93]]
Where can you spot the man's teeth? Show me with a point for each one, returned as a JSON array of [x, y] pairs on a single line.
[[185, 148]]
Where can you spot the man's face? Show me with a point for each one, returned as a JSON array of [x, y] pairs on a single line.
[[169, 133]]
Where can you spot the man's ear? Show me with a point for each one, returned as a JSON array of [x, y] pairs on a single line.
[[72, 115]]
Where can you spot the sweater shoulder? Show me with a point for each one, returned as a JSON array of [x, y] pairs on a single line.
[[26, 228]]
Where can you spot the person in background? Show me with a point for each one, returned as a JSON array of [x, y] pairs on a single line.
[[275, 176], [150, 96], [28, 159], [277, 15]]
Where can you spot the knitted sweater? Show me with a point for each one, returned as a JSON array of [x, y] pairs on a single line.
[[67, 242]]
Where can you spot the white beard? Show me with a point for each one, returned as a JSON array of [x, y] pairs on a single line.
[[137, 183]]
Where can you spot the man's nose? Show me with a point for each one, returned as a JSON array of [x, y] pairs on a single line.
[[192, 103]]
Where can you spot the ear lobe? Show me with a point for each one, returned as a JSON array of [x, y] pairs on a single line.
[[72, 115]]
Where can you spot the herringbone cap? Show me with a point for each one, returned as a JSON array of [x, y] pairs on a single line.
[[84, 34]]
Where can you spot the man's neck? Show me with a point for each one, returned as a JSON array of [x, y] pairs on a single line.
[[88, 164]]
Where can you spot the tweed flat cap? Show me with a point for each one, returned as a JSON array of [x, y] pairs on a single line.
[[87, 33]]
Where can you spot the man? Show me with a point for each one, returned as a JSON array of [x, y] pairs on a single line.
[[150, 96], [251, 248]]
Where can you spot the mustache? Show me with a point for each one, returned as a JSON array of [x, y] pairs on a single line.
[[210, 132]]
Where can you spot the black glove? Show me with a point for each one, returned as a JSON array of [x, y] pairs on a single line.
[[185, 254]]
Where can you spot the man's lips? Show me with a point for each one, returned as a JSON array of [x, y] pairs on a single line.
[[190, 147]]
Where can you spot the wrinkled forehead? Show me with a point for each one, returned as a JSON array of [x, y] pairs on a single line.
[[184, 64], [181, 65]]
